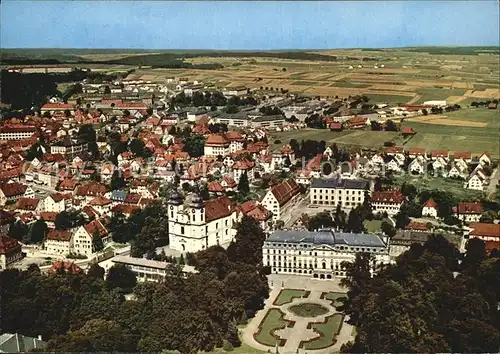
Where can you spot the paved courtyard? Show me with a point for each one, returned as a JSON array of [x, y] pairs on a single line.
[[299, 332]]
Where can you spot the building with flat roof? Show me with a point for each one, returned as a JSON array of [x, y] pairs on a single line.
[[148, 269], [320, 254]]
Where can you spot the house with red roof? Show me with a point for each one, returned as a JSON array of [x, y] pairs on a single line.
[[281, 197], [10, 192], [430, 209], [241, 167], [6, 219], [59, 242], [468, 211], [485, 231], [25, 205], [357, 122], [257, 212], [57, 107], [64, 267], [463, 155], [217, 145], [236, 141], [336, 127], [84, 235], [389, 202], [10, 251], [408, 131]]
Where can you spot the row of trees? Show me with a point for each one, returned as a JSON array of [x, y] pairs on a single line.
[[421, 304], [78, 312]]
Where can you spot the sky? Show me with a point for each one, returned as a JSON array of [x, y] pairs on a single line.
[[246, 25]]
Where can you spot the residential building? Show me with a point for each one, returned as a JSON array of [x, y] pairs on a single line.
[[10, 251], [54, 203], [348, 193], [217, 144], [6, 219], [484, 231], [468, 211], [10, 192], [281, 197], [241, 167], [148, 269], [57, 107], [430, 209], [389, 202], [82, 238], [195, 224], [16, 131], [477, 181], [59, 242], [320, 254], [69, 147], [234, 91]]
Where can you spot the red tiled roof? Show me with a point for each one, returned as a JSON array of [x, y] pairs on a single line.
[[218, 208], [67, 184], [394, 150], [59, 235], [286, 149], [17, 128], [431, 204], [416, 151], [124, 209], [336, 125], [462, 155], [388, 197], [485, 230], [407, 130], [8, 244], [468, 208], [216, 139], [215, 186], [491, 245], [50, 106], [69, 267], [132, 105], [48, 216], [91, 189], [27, 203], [13, 189], [285, 191], [234, 136], [132, 198], [100, 201], [243, 164], [259, 213], [357, 121], [440, 153], [96, 224], [6, 218], [417, 226]]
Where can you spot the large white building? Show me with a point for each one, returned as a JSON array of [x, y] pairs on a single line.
[[281, 197], [217, 144], [389, 202], [194, 224], [16, 132], [347, 193], [320, 254]]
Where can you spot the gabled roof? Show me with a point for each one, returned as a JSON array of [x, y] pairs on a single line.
[[96, 225], [6, 218], [462, 155], [216, 139], [485, 230], [8, 244], [243, 164], [388, 197], [59, 235], [27, 203], [218, 208], [285, 191], [468, 208], [69, 267], [431, 204], [13, 189]]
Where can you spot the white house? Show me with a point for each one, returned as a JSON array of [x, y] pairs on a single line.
[[389, 202], [417, 166], [468, 211], [82, 238], [54, 203], [476, 181], [59, 242], [280, 197], [430, 208]]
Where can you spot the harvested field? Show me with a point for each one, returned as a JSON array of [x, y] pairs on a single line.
[[455, 99], [393, 87], [488, 93], [456, 122]]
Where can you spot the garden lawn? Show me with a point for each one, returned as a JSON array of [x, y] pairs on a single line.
[[328, 331], [333, 297], [287, 295], [273, 321]]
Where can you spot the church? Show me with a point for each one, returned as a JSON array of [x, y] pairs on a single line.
[[195, 224]]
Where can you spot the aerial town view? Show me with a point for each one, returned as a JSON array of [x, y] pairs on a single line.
[[250, 177]]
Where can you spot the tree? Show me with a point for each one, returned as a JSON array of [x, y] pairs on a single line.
[[97, 244], [117, 180], [320, 221], [355, 221], [96, 271], [37, 232], [388, 229], [243, 184], [136, 147], [248, 242], [391, 126], [194, 145], [367, 208], [119, 276], [18, 230], [475, 255]]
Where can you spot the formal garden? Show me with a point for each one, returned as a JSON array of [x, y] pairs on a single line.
[[313, 317]]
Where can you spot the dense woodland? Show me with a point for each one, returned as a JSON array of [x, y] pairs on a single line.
[[432, 300], [78, 312]]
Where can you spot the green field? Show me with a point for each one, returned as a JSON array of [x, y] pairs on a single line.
[[436, 93], [273, 321], [287, 295], [366, 138], [450, 185], [372, 225], [328, 331], [333, 297], [389, 99]]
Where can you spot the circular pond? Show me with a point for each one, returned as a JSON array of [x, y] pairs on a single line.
[[308, 310]]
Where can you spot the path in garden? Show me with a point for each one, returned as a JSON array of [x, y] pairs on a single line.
[[300, 331]]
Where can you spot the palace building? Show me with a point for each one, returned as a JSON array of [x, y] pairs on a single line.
[[320, 254]]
